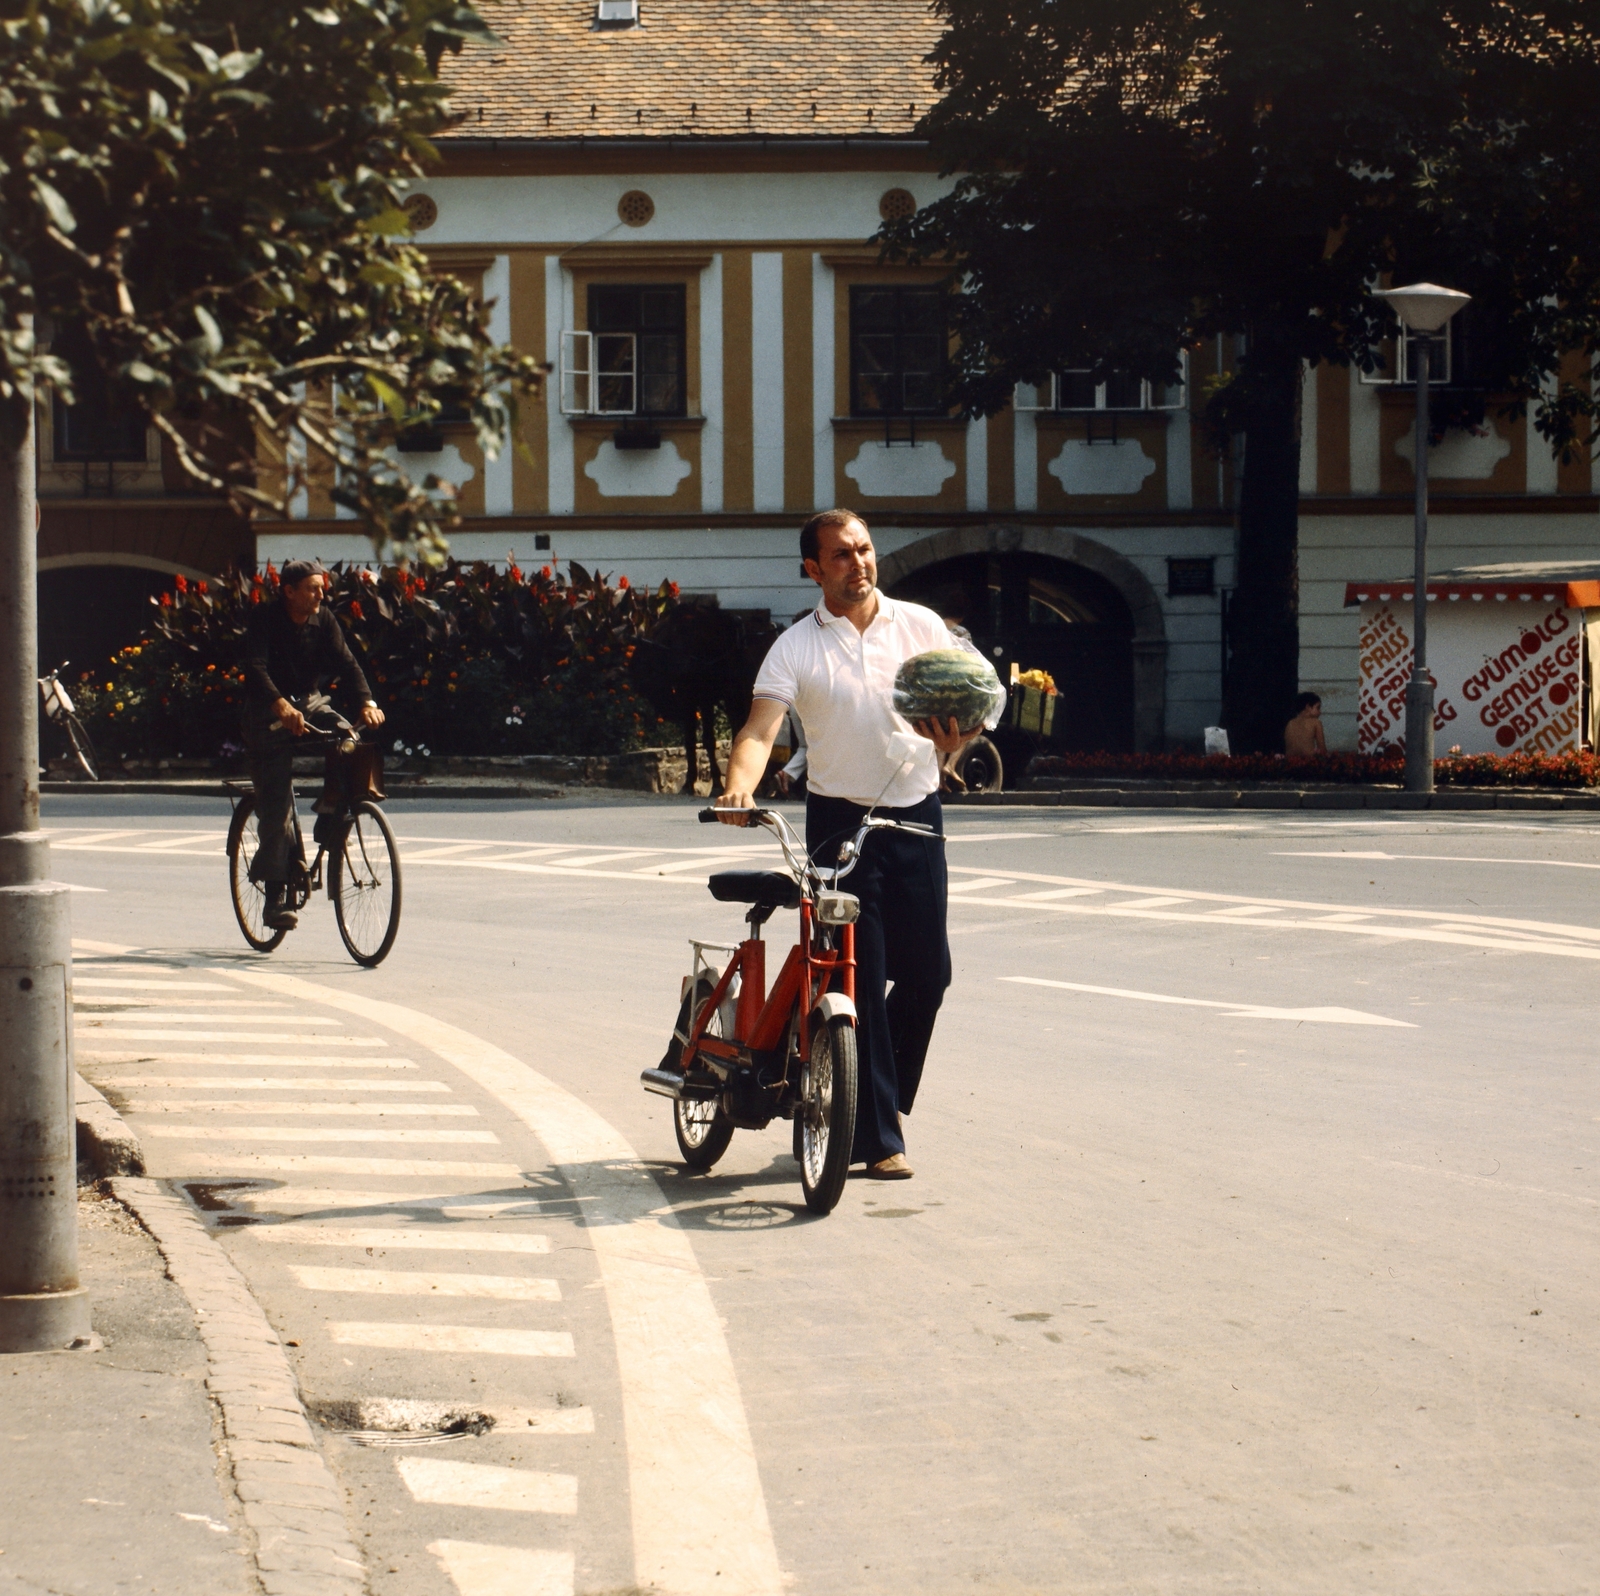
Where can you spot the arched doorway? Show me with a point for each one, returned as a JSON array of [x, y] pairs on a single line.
[[1044, 614], [90, 610], [1053, 599]]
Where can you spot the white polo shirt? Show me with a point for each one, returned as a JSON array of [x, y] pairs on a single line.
[[840, 683]]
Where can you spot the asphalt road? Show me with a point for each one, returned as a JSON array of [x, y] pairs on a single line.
[[1251, 1245]]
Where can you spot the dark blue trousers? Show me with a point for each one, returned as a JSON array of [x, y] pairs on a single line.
[[900, 938]]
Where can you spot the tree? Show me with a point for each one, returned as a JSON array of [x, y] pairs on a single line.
[[1139, 175], [201, 201]]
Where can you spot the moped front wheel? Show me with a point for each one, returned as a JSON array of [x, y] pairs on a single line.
[[702, 1128], [825, 1118]]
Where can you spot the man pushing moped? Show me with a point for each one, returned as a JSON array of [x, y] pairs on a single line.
[[837, 671]]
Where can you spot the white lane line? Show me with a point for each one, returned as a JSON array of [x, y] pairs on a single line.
[[453, 1205], [603, 858], [138, 984], [98, 1033], [97, 1001], [1057, 892], [713, 862], [270, 1083], [1341, 919], [253, 1061], [454, 1338], [1147, 903], [683, 1416], [185, 839], [981, 882], [1487, 1182], [997, 836], [543, 1421], [1242, 911], [1235, 1011], [476, 1569], [434, 1240], [1440, 858], [446, 852], [426, 1283], [233, 1163], [86, 840], [249, 1014], [451, 1484], [190, 1105], [313, 1133]]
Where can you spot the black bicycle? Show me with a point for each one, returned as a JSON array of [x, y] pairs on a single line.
[[59, 708], [351, 834]]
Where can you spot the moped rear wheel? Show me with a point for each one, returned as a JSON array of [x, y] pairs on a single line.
[[825, 1119], [702, 1128]]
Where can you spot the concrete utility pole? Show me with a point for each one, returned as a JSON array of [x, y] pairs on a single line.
[[1424, 309], [42, 1306]]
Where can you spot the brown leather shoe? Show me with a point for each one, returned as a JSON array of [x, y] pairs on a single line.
[[894, 1167]]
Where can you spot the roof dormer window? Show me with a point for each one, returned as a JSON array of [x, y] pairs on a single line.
[[616, 13]]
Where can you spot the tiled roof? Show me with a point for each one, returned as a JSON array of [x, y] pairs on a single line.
[[713, 69]]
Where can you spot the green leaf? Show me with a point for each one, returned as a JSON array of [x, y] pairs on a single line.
[[387, 396]]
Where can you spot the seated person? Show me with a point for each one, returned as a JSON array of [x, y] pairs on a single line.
[[1303, 735]]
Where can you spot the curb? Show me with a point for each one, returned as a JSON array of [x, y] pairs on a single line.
[[294, 1507], [307, 789], [1274, 798], [105, 1143]]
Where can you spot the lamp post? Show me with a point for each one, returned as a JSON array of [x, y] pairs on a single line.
[[1424, 309]]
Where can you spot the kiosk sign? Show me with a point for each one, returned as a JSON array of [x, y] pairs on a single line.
[[1510, 663]]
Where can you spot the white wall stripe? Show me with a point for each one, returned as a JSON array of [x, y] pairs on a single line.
[[1308, 431], [712, 405], [1364, 440], [823, 356], [1025, 452], [766, 377], [1544, 469], [558, 435], [497, 472], [978, 464]]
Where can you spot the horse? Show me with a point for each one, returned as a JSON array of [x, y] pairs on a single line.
[[699, 656]]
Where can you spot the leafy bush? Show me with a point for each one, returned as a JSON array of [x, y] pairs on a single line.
[[1461, 770], [463, 660]]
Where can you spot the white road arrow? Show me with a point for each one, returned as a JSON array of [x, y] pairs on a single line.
[[1234, 1011]]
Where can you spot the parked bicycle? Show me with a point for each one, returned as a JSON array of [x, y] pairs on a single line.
[[351, 833], [742, 1056], [59, 708]]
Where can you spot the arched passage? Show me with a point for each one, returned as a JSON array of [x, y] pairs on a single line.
[[90, 606], [1044, 597]]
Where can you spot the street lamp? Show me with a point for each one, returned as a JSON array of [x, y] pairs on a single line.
[[1424, 309]]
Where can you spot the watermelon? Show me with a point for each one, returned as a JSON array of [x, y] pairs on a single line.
[[948, 682]]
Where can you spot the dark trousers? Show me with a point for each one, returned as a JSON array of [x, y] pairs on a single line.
[[900, 937], [271, 758]]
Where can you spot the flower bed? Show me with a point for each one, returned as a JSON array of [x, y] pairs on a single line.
[[1461, 770], [463, 660]]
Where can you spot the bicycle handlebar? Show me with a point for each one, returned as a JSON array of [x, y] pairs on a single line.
[[710, 817]]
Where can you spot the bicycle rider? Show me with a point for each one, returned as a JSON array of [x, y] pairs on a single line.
[[292, 648], [836, 669]]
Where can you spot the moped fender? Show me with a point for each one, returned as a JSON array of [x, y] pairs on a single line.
[[831, 1005]]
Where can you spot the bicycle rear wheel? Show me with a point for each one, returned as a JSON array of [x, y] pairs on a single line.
[[825, 1121], [364, 883], [82, 747], [249, 897]]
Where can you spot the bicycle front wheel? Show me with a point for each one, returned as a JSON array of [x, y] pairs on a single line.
[[364, 883], [249, 897], [82, 747], [825, 1120]]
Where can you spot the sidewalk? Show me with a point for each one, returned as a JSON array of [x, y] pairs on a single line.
[[175, 1456]]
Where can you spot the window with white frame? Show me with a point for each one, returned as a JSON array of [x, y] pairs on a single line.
[[1397, 359], [632, 359], [1076, 391]]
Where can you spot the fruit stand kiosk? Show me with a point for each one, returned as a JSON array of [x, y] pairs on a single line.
[[1511, 649]]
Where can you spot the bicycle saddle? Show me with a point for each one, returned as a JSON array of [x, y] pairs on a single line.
[[771, 889]]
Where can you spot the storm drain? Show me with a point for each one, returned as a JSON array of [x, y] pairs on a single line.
[[379, 1421]]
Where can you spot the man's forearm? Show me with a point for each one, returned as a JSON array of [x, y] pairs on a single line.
[[747, 763]]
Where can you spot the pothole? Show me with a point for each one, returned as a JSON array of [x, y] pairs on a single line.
[[382, 1421]]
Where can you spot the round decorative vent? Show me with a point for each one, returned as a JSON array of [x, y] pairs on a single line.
[[636, 207], [896, 204], [423, 212]]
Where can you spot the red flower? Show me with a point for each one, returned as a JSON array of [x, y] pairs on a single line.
[[355, 609], [200, 587], [514, 572], [166, 601], [622, 583], [544, 571], [180, 582]]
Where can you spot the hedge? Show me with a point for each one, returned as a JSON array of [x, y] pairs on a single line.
[[463, 660], [1461, 770]]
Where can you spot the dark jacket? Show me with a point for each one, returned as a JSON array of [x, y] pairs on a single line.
[[282, 660]]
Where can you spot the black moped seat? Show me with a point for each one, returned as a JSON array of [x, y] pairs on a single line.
[[771, 889]]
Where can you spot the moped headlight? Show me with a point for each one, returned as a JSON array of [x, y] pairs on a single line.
[[838, 908]]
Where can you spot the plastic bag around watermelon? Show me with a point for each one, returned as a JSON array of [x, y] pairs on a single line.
[[946, 683]]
